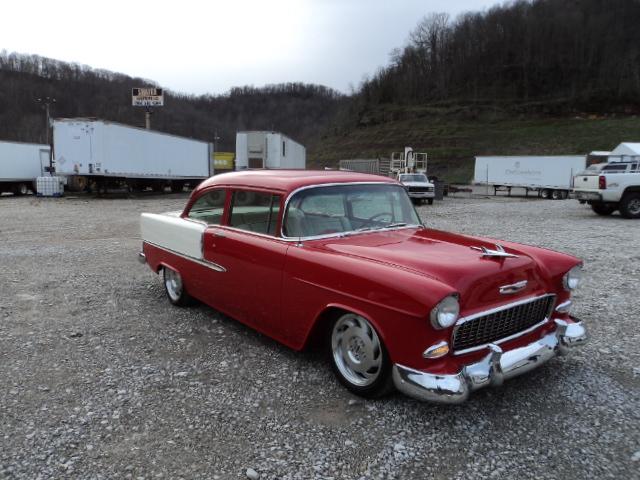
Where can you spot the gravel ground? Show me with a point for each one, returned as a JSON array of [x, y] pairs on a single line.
[[101, 378]]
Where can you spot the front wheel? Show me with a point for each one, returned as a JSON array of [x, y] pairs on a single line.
[[174, 287], [358, 357], [630, 205], [603, 209]]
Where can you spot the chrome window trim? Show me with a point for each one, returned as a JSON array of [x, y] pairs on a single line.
[[204, 263], [337, 234], [499, 309]]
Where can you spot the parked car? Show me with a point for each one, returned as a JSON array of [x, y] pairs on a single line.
[[418, 187], [343, 257], [608, 187]]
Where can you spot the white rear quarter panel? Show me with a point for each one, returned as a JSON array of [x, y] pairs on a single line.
[[173, 233]]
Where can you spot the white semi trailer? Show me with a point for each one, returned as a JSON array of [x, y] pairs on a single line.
[[107, 154], [549, 176], [20, 165], [258, 149]]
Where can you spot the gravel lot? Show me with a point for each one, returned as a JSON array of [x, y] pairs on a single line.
[[101, 378]]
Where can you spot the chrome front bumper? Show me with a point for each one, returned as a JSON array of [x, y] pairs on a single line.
[[492, 370]]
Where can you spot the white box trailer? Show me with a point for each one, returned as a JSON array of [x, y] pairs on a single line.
[[549, 176], [109, 153], [259, 149], [20, 165]]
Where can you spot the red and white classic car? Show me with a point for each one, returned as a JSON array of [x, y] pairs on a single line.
[[343, 257]]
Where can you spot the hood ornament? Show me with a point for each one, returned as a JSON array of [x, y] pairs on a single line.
[[497, 253]]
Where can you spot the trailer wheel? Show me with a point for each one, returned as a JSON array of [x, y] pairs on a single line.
[[20, 189], [158, 187], [630, 205], [545, 193], [177, 187], [556, 194]]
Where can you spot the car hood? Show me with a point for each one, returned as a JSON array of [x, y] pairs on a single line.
[[449, 259]]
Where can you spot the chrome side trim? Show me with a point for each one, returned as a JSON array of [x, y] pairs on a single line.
[[496, 367], [204, 263]]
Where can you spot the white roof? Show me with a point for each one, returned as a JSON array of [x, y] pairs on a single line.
[[627, 148], [600, 153]]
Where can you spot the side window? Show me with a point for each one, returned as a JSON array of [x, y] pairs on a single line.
[[209, 207], [255, 211]]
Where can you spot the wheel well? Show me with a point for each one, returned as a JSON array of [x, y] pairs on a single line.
[[632, 189], [321, 325]]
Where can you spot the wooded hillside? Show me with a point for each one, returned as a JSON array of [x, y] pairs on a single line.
[[80, 91], [563, 54]]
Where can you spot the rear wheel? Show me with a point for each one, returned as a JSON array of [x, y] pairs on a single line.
[[630, 205], [177, 187], [556, 195], [430, 201], [174, 287], [358, 357], [603, 209], [545, 193]]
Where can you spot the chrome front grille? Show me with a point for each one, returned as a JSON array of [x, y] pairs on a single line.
[[501, 323]]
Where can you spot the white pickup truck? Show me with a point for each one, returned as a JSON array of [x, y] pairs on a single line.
[[418, 187], [608, 187]]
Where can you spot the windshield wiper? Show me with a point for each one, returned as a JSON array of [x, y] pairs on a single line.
[[394, 225]]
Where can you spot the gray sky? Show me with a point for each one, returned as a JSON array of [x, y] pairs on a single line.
[[209, 46]]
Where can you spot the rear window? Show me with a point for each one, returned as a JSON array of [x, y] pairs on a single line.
[[255, 211]]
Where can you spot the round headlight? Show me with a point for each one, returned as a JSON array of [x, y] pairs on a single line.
[[571, 279], [446, 312]]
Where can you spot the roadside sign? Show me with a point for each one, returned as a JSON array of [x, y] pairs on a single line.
[[147, 97]]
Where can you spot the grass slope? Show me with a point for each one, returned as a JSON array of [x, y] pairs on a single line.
[[452, 143]]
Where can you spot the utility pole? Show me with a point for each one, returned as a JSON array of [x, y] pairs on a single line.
[[46, 103]]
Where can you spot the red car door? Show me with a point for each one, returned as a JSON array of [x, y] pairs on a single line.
[[253, 258]]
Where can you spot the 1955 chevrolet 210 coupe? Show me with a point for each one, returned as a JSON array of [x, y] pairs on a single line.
[[343, 257]]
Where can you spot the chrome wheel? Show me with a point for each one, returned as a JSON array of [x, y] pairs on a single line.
[[173, 284], [356, 350]]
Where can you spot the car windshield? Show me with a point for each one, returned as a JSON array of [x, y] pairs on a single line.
[[413, 177], [348, 209]]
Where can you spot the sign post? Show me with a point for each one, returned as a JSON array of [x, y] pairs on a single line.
[[147, 98]]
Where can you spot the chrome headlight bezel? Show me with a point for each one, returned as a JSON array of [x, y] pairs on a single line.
[[572, 279], [446, 313]]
